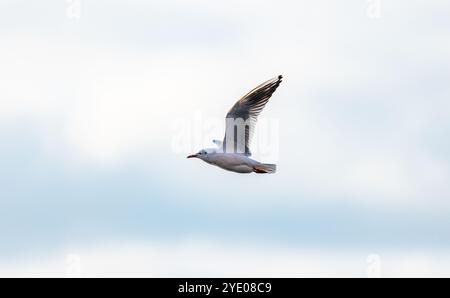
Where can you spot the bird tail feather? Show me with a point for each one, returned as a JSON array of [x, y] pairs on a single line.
[[265, 168]]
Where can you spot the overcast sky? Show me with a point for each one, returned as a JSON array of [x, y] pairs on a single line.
[[101, 101]]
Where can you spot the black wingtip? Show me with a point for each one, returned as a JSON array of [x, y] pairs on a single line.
[[280, 77]]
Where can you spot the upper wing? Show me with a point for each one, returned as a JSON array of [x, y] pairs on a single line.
[[241, 119]]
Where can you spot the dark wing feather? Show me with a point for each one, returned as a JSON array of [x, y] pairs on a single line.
[[247, 109]]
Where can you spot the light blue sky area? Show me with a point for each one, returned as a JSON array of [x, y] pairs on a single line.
[[45, 206], [87, 108]]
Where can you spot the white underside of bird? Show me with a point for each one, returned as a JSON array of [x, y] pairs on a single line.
[[233, 152], [235, 162]]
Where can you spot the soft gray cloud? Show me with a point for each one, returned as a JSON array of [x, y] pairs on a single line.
[[88, 107]]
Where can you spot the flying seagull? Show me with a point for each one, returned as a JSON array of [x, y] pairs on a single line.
[[233, 152]]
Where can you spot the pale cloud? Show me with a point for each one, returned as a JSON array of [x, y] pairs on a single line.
[[91, 110], [193, 258], [349, 125]]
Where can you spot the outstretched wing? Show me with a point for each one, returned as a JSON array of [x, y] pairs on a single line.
[[241, 119]]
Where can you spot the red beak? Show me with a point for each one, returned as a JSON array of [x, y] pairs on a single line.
[[192, 156]]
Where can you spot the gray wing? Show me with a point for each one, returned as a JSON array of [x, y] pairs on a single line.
[[241, 119]]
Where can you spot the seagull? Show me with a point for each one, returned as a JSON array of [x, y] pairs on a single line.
[[233, 153]]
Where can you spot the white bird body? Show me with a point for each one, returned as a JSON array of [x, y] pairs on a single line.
[[233, 152], [234, 162]]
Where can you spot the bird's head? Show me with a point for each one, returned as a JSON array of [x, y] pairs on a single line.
[[202, 154]]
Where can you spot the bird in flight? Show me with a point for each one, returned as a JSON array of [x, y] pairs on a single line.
[[233, 153]]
